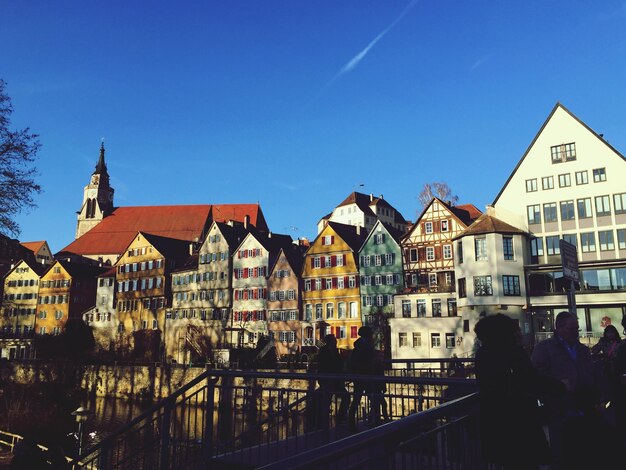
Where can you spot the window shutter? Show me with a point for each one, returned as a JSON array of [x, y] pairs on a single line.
[[333, 261], [344, 259], [423, 225], [436, 226], [421, 253], [437, 252], [264, 293], [312, 262], [256, 272], [334, 282]]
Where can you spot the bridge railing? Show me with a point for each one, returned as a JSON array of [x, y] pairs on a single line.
[[255, 418]]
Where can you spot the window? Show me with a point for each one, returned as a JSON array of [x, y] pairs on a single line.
[[406, 309], [480, 246], [621, 238], [563, 153], [353, 310], [329, 283], [587, 242], [619, 203], [565, 180], [318, 311], [435, 340], [531, 185], [582, 177], [510, 285], [482, 285], [430, 253], [432, 280], [567, 210], [450, 340], [308, 312], [379, 239], [452, 311], [605, 239], [547, 182], [417, 339], [402, 340], [317, 262], [534, 214], [549, 212], [436, 304], [329, 310], [462, 288], [378, 260], [570, 238], [599, 175], [459, 251], [603, 205], [552, 245], [584, 208], [413, 255], [507, 247], [444, 225], [447, 251], [341, 310], [428, 227], [421, 308], [327, 240], [389, 259]]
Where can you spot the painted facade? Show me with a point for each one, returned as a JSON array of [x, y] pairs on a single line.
[[284, 301], [330, 274]]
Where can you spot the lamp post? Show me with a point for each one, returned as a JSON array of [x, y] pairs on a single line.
[[80, 414]]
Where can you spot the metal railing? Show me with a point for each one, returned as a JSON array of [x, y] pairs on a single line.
[[444, 437], [256, 418]]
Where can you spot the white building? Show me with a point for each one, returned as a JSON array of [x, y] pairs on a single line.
[[571, 184]]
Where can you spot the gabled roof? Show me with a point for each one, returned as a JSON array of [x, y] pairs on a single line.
[[465, 213], [33, 246], [556, 107], [364, 201], [168, 247], [238, 212], [295, 257], [396, 234], [233, 234], [353, 236], [489, 224], [79, 270], [37, 268]]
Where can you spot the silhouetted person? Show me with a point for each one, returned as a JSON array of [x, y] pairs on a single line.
[[28, 456], [574, 421], [376, 390], [361, 363], [510, 423], [329, 362]]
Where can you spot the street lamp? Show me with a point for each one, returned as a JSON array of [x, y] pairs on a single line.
[[80, 414]]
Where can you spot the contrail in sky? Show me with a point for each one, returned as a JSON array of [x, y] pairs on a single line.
[[352, 63]]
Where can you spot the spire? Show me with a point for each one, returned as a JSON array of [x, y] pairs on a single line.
[[101, 167]]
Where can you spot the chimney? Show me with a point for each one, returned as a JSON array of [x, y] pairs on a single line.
[[269, 234], [358, 230], [190, 249], [230, 223], [246, 221], [371, 197], [381, 196]]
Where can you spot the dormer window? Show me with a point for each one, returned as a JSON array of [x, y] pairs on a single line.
[[563, 153]]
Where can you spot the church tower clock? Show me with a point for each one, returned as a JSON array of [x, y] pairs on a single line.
[[97, 198]]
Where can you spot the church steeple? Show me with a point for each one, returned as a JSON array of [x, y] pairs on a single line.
[[101, 167], [97, 197]]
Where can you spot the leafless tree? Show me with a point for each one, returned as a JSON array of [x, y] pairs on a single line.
[[439, 190], [18, 151]]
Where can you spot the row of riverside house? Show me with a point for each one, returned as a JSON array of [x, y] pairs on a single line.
[[208, 279]]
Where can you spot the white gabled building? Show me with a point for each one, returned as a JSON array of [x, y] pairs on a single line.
[[570, 184]]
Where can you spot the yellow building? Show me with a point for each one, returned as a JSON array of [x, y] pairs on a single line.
[[331, 284], [143, 281], [66, 290], [19, 305]]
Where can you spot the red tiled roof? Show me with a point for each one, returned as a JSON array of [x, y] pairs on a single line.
[[188, 222], [117, 230], [473, 211], [237, 212], [33, 246]]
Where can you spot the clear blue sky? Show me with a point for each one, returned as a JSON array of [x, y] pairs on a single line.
[[295, 103]]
